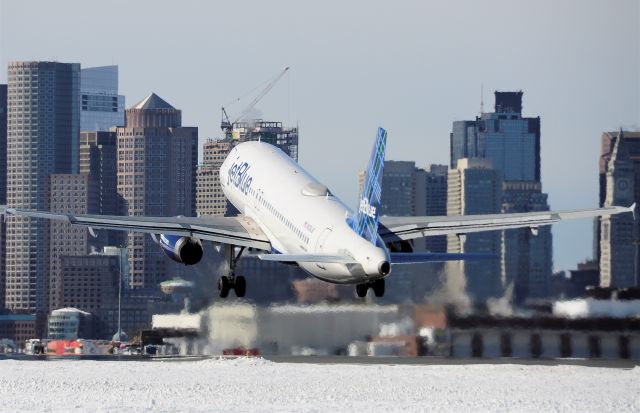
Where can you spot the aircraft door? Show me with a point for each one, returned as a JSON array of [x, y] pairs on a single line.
[[320, 244]]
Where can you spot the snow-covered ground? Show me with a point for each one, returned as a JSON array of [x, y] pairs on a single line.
[[249, 385]]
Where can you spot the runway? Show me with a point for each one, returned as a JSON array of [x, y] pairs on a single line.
[[447, 361], [358, 360]]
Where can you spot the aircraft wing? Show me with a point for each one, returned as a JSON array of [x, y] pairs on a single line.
[[406, 228], [241, 231]]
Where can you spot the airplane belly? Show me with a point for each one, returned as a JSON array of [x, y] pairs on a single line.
[[336, 273]]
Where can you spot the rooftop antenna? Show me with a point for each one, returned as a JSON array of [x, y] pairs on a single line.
[[481, 98]]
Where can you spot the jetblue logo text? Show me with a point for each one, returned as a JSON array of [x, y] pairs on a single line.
[[239, 176], [366, 208]]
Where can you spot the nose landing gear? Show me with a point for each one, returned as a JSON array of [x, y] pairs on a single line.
[[377, 286]]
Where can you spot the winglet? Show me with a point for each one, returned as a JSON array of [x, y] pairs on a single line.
[[365, 222], [632, 208]]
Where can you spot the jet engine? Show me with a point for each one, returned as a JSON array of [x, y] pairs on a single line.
[[185, 250]]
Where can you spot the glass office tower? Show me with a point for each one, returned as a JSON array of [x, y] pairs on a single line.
[[511, 143], [101, 106]]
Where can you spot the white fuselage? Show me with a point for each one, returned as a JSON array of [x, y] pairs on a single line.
[[297, 213]]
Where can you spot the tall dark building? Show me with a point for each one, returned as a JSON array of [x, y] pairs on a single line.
[[3, 270], [512, 143], [3, 184], [526, 258], [43, 139], [398, 182], [412, 191], [157, 162], [431, 200], [3, 144], [99, 159]]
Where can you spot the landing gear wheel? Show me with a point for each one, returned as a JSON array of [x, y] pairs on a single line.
[[378, 287], [361, 290], [240, 286], [224, 285]]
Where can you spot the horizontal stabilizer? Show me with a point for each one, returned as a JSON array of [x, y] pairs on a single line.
[[335, 259], [423, 257]]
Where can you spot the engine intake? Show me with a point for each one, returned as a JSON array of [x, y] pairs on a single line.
[[185, 250]]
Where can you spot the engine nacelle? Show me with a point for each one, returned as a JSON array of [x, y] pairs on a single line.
[[185, 250]]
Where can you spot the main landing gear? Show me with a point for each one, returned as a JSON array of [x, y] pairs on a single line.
[[377, 286], [232, 281]]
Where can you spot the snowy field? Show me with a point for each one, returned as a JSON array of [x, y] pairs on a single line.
[[256, 385]]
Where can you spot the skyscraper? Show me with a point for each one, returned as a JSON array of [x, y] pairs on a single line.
[[210, 200], [3, 144], [3, 184], [411, 191], [101, 106], [431, 200], [3, 271], [512, 143], [509, 141], [628, 150], [157, 160], [43, 139], [71, 193], [475, 187], [398, 188], [526, 256], [99, 159], [618, 234]]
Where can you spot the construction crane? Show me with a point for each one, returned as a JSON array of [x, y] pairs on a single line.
[[226, 125]]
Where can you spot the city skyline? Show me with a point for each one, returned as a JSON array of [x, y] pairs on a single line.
[[581, 78]]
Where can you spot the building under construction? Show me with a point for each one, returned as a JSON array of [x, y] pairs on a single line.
[[210, 200], [270, 132]]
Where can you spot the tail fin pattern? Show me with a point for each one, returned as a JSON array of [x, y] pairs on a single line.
[[365, 222]]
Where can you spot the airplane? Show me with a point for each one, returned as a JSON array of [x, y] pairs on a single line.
[[290, 217]]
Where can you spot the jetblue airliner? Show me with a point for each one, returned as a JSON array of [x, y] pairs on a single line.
[[289, 216]]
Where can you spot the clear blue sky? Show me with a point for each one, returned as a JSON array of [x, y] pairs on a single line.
[[410, 66]]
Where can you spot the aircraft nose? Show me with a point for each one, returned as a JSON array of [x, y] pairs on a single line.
[[384, 268]]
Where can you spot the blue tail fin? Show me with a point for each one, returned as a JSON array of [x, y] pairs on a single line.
[[365, 222]]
